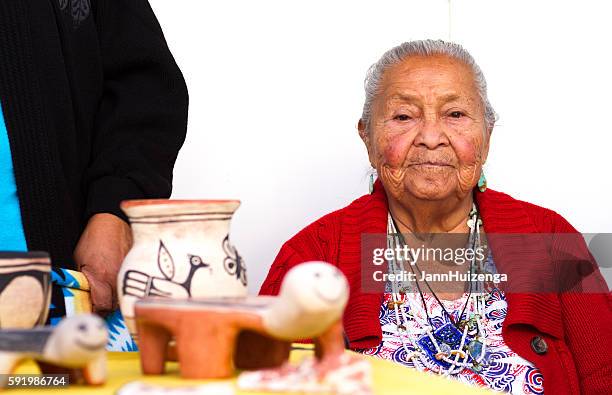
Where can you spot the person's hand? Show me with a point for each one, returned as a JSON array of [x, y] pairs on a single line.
[[99, 253]]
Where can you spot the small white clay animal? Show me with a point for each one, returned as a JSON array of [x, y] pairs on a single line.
[[77, 342], [312, 297]]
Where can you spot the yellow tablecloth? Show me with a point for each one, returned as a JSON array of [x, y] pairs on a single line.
[[389, 378]]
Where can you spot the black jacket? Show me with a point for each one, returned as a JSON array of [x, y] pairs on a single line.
[[96, 111]]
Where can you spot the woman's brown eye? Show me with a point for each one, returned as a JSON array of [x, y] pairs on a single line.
[[402, 117], [456, 114]]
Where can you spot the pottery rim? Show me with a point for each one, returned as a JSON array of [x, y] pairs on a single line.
[[26, 255], [135, 208]]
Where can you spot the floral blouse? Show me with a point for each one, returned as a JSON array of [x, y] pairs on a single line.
[[501, 369]]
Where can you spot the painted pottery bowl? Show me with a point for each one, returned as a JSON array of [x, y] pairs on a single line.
[[25, 289]]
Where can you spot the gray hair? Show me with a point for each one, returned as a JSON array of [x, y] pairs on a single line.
[[424, 48]]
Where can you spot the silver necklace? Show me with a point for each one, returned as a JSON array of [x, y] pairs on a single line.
[[449, 348]]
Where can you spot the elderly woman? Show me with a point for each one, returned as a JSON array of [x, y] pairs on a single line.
[[427, 125]]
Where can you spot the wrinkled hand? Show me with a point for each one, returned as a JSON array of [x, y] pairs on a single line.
[[99, 253]]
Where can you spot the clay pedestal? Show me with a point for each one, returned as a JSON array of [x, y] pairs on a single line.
[[214, 337]]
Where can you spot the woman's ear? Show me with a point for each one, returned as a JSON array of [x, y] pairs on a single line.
[[485, 149], [365, 137], [363, 133], [361, 127]]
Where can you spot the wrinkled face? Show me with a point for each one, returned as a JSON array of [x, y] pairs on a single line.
[[427, 137]]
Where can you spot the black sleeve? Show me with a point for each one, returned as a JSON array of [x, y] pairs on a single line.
[[142, 119]]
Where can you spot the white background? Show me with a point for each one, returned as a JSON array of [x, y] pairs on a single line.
[[276, 89]]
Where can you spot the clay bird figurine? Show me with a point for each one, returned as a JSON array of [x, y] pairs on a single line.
[[213, 336], [75, 346]]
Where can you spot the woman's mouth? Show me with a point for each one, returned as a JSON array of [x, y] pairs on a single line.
[[432, 164]]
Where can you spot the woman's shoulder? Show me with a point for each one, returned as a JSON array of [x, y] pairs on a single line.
[[366, 214], [545, 220]]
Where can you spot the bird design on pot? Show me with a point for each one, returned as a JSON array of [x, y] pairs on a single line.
[[140, 284]]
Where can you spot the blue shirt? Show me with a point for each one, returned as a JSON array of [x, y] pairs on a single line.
[[12, 237]]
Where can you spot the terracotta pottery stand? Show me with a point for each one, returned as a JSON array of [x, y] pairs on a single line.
[[216, 335]]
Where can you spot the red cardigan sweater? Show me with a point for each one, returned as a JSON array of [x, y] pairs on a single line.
[[576, 327]]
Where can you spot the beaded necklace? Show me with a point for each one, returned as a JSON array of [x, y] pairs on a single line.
[[451, 347]]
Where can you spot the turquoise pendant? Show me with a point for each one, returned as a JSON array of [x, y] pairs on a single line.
[[475, 349]]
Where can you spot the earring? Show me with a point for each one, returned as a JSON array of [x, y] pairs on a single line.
[[482, 182], [371, 182]]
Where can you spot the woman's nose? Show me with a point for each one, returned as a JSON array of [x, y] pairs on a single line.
[[431, 135]]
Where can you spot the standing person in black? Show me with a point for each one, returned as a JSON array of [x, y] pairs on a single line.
[[95, 109]]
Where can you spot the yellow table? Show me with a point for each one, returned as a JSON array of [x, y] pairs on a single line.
[[389, 378]]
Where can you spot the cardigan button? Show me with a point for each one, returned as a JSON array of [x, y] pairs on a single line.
[[539, 346]]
